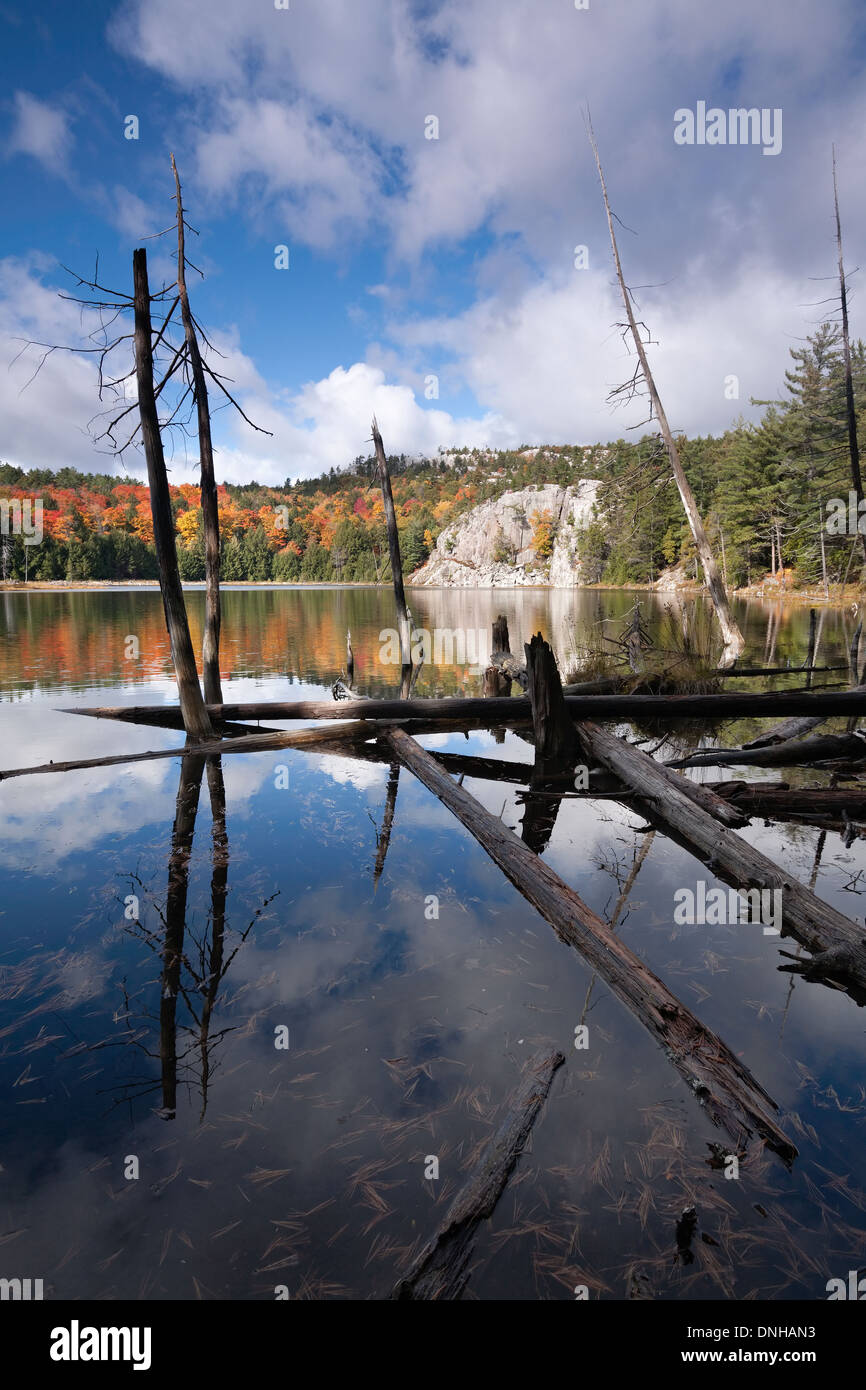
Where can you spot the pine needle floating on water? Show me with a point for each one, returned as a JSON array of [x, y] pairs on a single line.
[[264, 1177]]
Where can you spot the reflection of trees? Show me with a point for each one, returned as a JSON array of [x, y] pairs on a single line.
[[193, 968]]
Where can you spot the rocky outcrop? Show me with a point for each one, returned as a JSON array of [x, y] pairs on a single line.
[[492, 547]]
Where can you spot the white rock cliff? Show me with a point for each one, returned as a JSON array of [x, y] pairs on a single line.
[[465, 555]]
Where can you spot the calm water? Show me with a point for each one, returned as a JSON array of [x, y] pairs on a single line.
[[148, 1046]]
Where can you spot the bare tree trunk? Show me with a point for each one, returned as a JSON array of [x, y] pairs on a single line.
[[209, 502], [733, 638], [823, 555], [850, 412], [196, 719], [394, 548]]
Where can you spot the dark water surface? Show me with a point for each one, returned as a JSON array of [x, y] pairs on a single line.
[[148, 1045]]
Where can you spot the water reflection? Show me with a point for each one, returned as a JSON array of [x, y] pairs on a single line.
[[305, 1167]]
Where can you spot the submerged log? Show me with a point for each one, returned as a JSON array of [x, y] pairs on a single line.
[[731, 1096], [440, 1270], [738, 705], [838, 944]]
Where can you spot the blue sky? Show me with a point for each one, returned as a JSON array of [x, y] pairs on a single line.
[[409, 256]]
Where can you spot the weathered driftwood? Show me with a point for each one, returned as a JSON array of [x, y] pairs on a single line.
[[786, 731], [774, 799], [731, 1096], [790, 753], [738, 705], [195, 716], [838, 945], [441, 1268]]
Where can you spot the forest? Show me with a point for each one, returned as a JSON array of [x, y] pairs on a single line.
[[765, 491]]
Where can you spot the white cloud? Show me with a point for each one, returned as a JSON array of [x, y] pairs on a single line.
[[40, 130], [550, 356]]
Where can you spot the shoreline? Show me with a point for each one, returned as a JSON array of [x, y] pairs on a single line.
[[837, 598]]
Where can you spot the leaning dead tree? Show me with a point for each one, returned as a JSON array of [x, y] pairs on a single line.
[[850, 410], [209, 504], [403, 623], [733, 638]]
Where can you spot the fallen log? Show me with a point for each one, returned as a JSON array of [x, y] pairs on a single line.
[[795, 728], [824, 748], [726, 1089], [838, 945], [327, 738], [738, 705], [774, 800], [440, 1270]]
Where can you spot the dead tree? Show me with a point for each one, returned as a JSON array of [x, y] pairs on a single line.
[[209, 503], [850, 410], [403, 624], [195, 716], [733, 638]]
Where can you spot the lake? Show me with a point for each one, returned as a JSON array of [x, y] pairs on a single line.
[[162, 937]]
